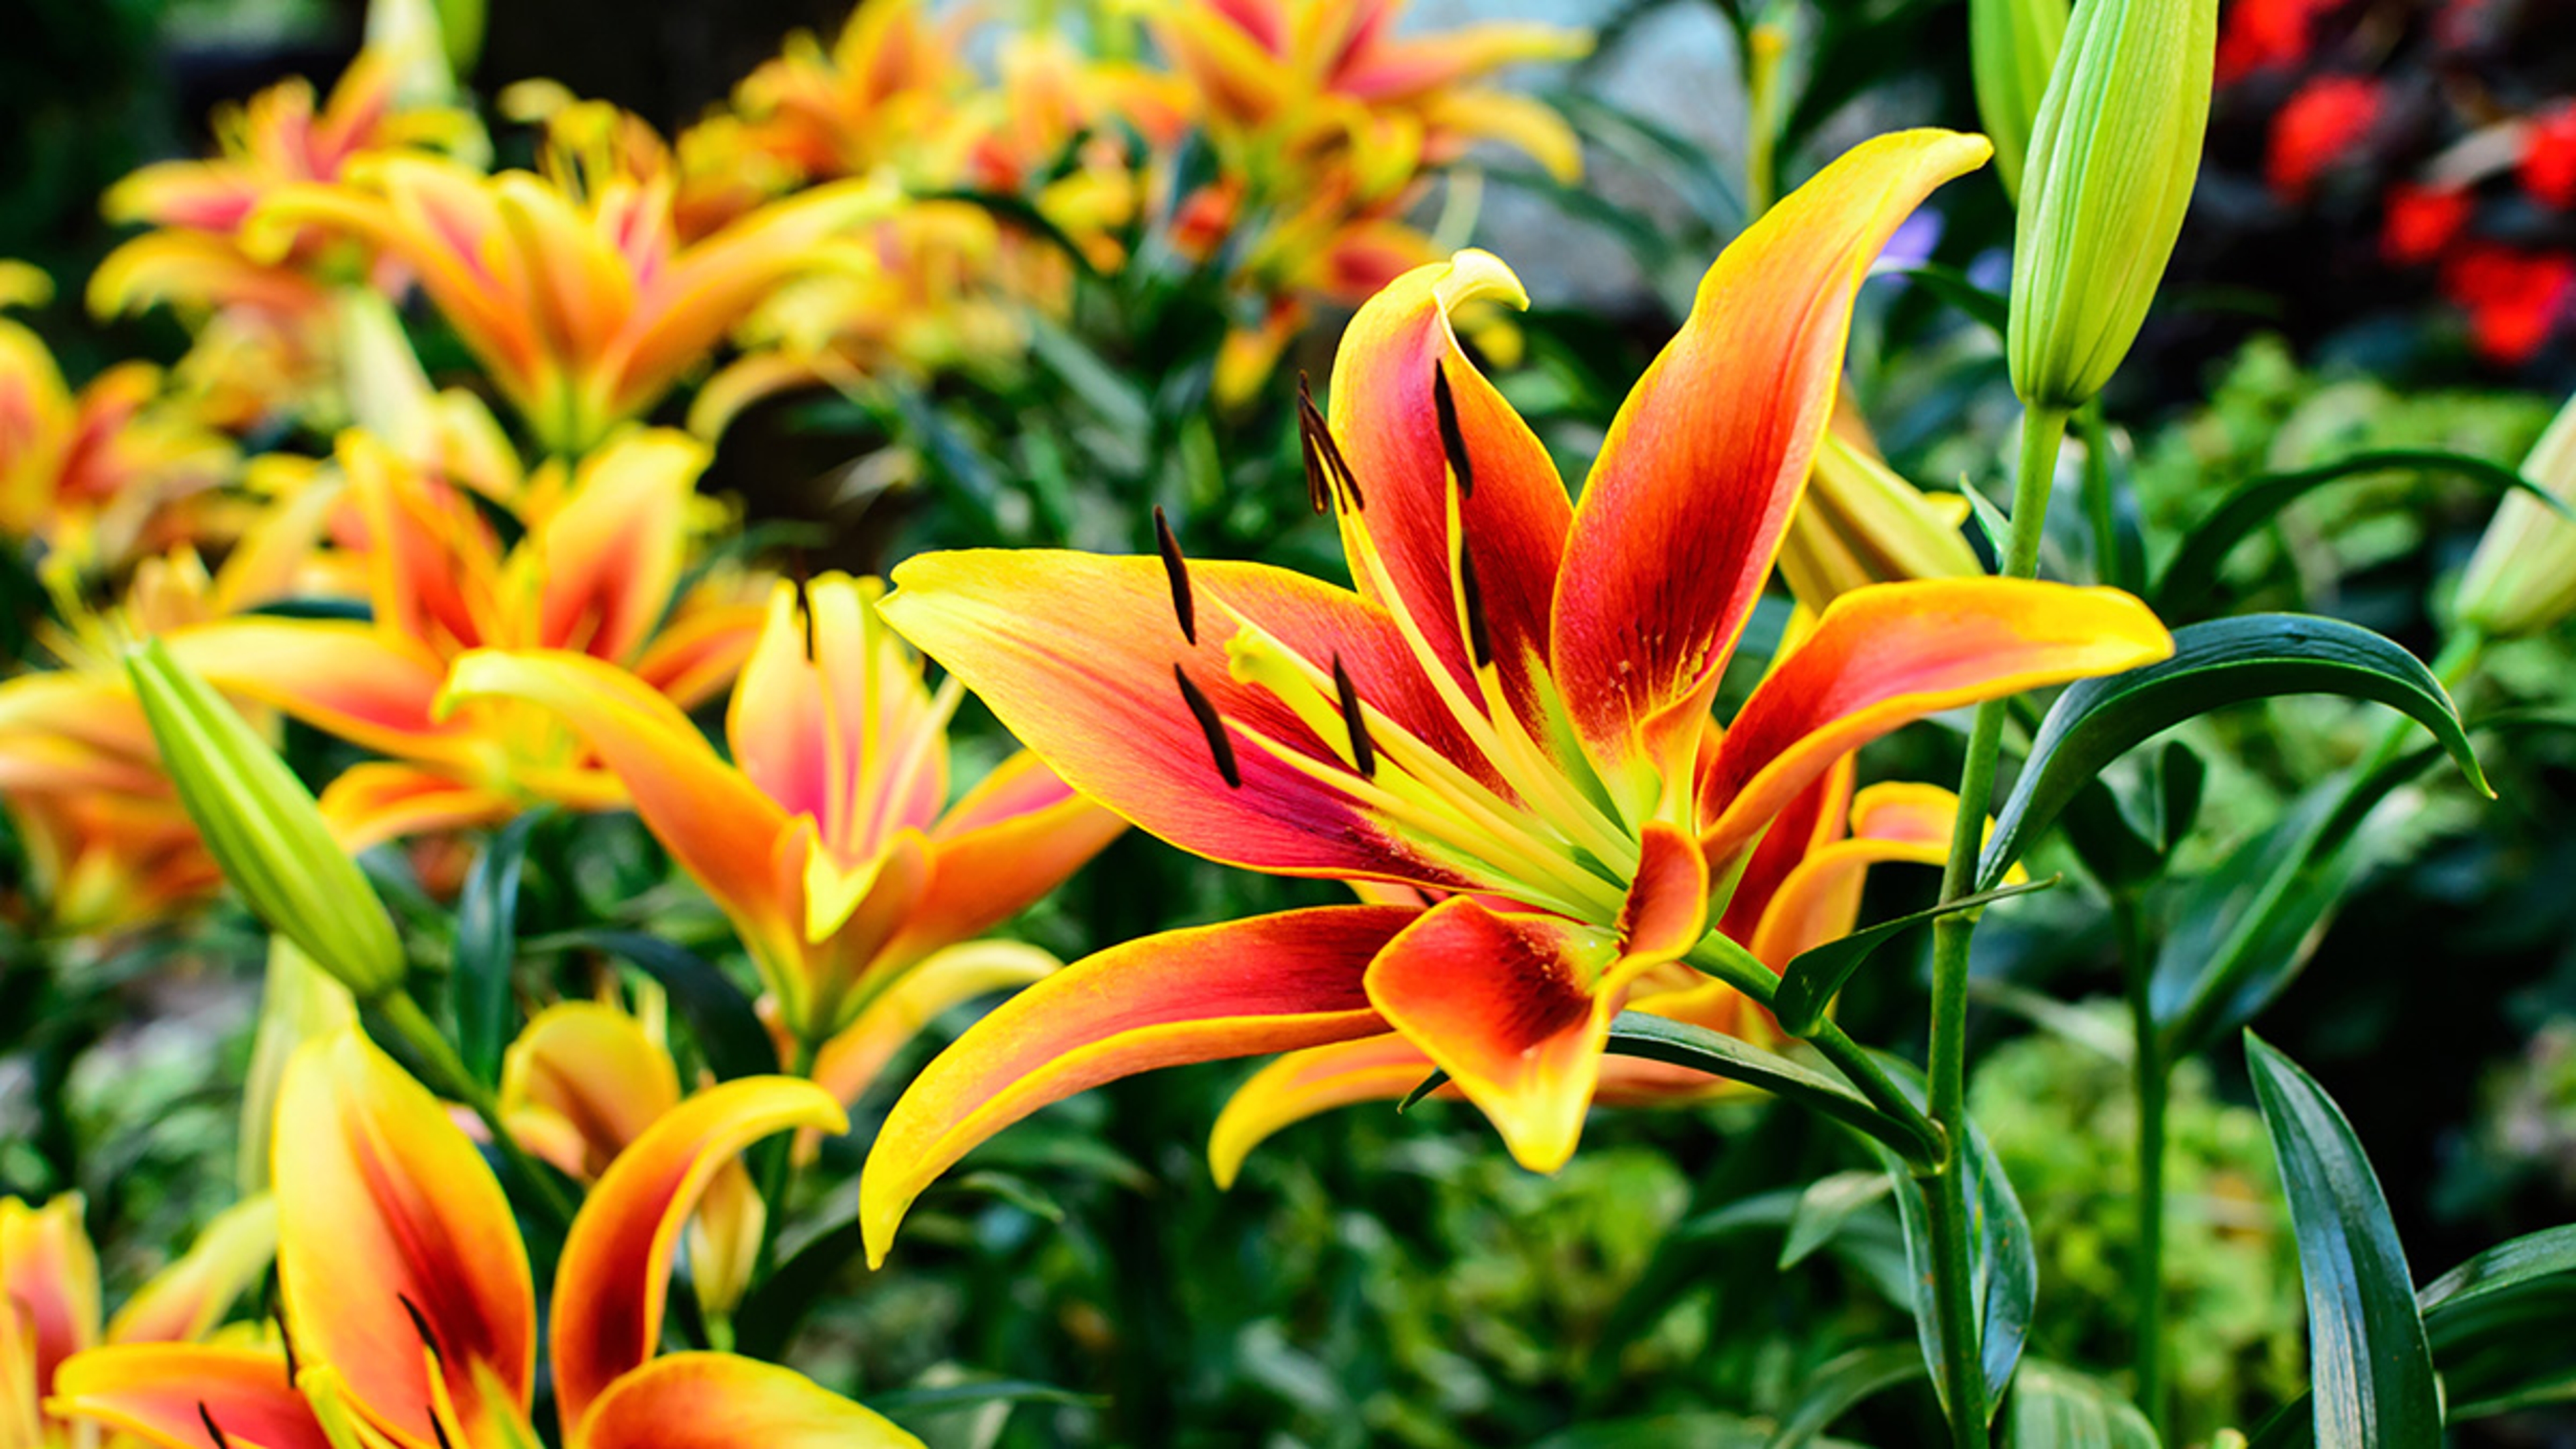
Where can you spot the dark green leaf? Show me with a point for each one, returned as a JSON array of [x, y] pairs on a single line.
[[728, 1031], [770, 1313], [1816, 974], [2370, 1366], [1659, 1431], [2192, 576], [2055, 1408], [903, 1404], [487, 946], [2124, 837], [1660, 1039], [2216, 664], [2007, 1275], [1842, 1383], [1952, 286], [1824, 1207]]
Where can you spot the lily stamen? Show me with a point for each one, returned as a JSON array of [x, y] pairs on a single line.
[[1453, 439], [1184, 605], [1354, 723], [1213, 726]]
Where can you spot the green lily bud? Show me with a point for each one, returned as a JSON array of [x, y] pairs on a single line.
[[2522, 579], [262, 827], [2112, 160], [2012, 46]]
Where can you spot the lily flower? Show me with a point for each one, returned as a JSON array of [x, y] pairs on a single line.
[[406, 1295], [829, 841], [573, 288], [49, 1283], [1513, 710], [1800, 889], [88, 473], [600, 570]]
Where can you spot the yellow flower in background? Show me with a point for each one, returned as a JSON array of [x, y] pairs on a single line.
[[829, 839]]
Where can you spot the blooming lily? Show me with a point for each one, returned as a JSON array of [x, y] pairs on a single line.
[[49, 1284], [406, 1294], [825, 841], [1513, 710], [600, 570]]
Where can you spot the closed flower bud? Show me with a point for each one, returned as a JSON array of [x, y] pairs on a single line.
[[2522, 579], [2112, 159], [262, 827], [1861, 523], [2012, 45]]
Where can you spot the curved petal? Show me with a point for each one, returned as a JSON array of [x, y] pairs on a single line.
[[1515, 1008], [848, 1064], [610, 557], [1078, 653], [179, 1394], [391, 1230], [1886, 655], [1404, 398], [720, 1401], [718, 825], [1014, 838], [1667, 907], [1271, 983], [184, 1301], [616, 1266], [1685, 505], [1307, 1083], [361, 683], [375, 801], [591, 1067], [1815, 818], [700, 647], [49, 1279]]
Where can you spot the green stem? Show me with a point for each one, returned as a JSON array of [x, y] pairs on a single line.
[[2101, 510], [1946, 1071], [413, 1025], [2153, 1080]]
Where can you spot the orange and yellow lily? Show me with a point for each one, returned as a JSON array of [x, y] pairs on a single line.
[[406, 1294], [574, 287], [601, 569], [829, 840], [50, 1292], [1513, 709]]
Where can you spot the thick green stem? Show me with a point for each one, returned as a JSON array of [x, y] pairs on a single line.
[[2153, 1080], [1946, 1074], [413, 1025]]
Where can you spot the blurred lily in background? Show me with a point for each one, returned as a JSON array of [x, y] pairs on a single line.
[[1513, 712]]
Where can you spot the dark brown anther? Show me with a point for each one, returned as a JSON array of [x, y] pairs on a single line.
[[1480, 639], [419, 1325], [440, 1430], [1184, 606], [1213, 727], [1363, 749], [286, 1341], [214, 1430], [1325, 460], [1453, 439]]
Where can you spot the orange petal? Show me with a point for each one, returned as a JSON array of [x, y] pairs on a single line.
[[1686, 503], [1271, 983], [49, 1279], [1820, 901], [592, 1068], [1667, 907], [375, 801], [611, 555], [168, 1393], [366, 685], [1395, 359], [720, 1401], [1515, 1008], [386, 1211], [700, 646], [1305, 1083], [616, 1266], [1012, 839], [849, 1063], [184, 1301], [1813, 819], [1889, 654], [1092, 689], [720, 828]]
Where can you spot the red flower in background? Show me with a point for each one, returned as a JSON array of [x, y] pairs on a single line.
[[2261, 34], [2324, 123], [2422, 222], [2549, 156], [2514, 298]]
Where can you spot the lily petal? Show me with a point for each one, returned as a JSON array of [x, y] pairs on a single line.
[[591, 1067], [1207, 993], [1889, 654], [849, 1063], [375, 801], [1014, 837], [1515, 1008], [720, 1401], [169, 1393], [366, 685], [1686, 503], [1814, 819], [1306, 1083], [49, 1278], [1667, 907], [184, 1301], [615, 1271], [1820, 901], [611, 555], [392, 1229]]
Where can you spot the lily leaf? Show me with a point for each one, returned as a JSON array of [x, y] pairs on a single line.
[[487, 946], [1842, 1383], [2124, 837], [899, 1404], [1816, 974], [1823, 1208], [769, 1315], [2192, 576], [1661, 1039], [2056, 1408], [2370, 1364], [2216, 664], [728, 1031]]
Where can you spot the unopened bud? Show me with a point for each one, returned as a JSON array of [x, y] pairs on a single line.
[[2522, 579], [2012, 46], [262, 827], [2112, 160]]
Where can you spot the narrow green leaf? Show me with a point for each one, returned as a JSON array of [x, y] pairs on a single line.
[[2007, 1274], [1991, 309], [2216, 664], [1660, 1039], [1824, 1207], [1841, 1384], [2056, 1408], [908, 1403], [2370, 1365], [487, 946], [769, 1315], [2192, 577], [719, 1015], [1816, 974]]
